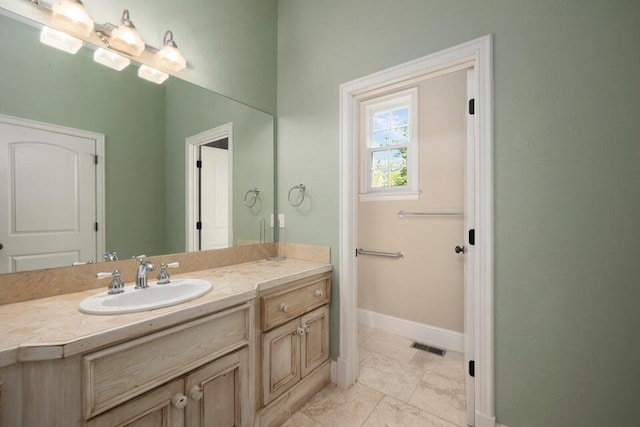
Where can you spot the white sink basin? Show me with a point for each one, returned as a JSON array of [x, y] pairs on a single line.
[[155, 296]]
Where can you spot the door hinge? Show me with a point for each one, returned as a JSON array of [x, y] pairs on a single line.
[[472, 236], [198, 225], [472, 106], [472, 368], [95, 159], [199, 164], [95, 226]]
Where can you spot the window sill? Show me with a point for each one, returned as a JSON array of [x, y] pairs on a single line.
[[391, 195]]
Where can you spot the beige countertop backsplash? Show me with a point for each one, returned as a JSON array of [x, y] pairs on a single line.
[[51, 326]]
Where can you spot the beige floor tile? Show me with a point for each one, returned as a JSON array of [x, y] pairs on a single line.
[[451, 366], [392, 412], [336, 407], [442, 396], [363, 353], [390, 345], [301, 420], [366, 329], [390, 376]]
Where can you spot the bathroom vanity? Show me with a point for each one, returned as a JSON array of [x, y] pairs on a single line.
[[250, 352]]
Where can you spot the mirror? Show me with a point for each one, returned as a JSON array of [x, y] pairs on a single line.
[[146, 128]]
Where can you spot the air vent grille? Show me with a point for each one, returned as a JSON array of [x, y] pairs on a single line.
[[429, 348]]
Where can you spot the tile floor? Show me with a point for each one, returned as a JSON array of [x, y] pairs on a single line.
[[398, 386]]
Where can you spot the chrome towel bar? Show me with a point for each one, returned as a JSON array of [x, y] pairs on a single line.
[[361, 251], [403, 214]]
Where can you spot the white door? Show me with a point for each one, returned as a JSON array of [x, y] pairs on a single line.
[[214, 198], [469, 267], [47, 198]]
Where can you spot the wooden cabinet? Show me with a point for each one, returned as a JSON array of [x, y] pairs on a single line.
[[293, 350], [218, 393], [295, 333], [214, 395], [164, 406], [119, 373]]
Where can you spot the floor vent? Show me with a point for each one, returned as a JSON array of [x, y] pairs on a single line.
[[430, 349]]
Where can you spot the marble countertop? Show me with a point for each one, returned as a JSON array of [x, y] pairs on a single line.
[[53, 327]]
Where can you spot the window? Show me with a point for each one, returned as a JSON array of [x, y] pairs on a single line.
[[389, 142]]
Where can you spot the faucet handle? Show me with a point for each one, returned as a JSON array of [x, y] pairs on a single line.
[[116, 286], [139, 257], [163, 276]]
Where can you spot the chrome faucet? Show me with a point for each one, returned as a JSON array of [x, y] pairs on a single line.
[[141, 276]]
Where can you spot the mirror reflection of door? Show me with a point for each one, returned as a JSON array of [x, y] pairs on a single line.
[[213, 195], [49, 192]]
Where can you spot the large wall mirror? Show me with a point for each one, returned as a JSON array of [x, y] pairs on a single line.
[[148, 130]]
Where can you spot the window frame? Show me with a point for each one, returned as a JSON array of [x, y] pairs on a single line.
[[368, 108]]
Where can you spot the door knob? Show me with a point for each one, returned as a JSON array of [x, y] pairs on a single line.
[[179, 401], [196, 393], [1, 246], [460, 249]]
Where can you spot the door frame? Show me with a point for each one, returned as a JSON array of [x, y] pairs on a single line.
[[478, 54], [99, 140], [193, 143]]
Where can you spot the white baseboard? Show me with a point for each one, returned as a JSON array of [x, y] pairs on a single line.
[[333, 372], [483, 420], [427, 334]]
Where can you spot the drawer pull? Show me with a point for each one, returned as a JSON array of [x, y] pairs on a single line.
[[319, 293], [300, 331], [284, 307], [196, 393], [179, 401]]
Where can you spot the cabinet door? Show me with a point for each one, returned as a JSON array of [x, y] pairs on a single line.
[[315, 341], [219, 391], [281, 359], [161, 407]]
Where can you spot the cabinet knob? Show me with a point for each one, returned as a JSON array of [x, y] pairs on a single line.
[[284, 307], [300, 331], [319, 294], [196, 393], [179, 401]]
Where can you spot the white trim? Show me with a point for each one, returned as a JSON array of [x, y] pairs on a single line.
[[391, 195], [483, 420], [191, 147], [333, 369], [426, 334], [479, 54], [99, 140]]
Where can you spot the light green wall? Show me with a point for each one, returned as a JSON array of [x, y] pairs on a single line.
[[567, 180], [190, 111], [44, 84], [230, 45]]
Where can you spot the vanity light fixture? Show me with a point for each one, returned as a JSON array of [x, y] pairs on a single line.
[[151, 74], [125, 38], [111, 59], [60, 40], [70, 15], [169, 56]]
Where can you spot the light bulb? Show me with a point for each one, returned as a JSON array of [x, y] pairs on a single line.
[[125, 38], [60, 40], [169, 56], [70, 15], [151, 74]]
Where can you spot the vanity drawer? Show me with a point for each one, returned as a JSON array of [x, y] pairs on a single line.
[[116, 374], [280, 307]]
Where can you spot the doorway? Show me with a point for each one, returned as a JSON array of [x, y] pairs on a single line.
[[478, 232], [52, 188], [209, 204]]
